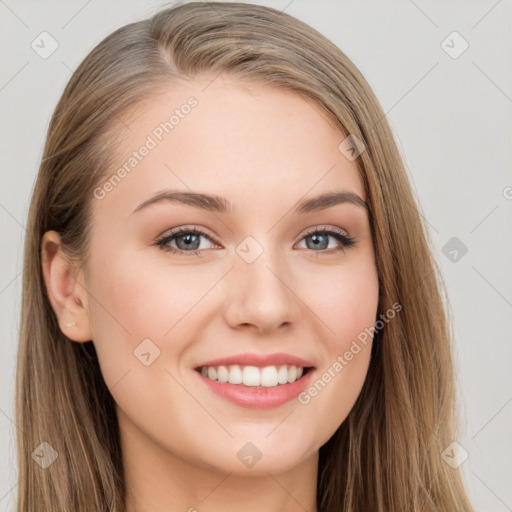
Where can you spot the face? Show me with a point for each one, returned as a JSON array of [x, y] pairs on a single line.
[[174, 286]]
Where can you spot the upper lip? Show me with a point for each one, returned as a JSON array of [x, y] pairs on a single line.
[[261, 360]]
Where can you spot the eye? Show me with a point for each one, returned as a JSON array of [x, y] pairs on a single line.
[[188, 241], [318, 238]]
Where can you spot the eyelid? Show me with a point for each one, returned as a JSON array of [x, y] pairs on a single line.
[[323, 228], [185, 229]]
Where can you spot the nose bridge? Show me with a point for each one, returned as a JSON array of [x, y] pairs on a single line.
[[260, 292]]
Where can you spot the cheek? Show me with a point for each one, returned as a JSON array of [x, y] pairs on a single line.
[[344, 300], [134, 299], [123, 312], [346, 304]]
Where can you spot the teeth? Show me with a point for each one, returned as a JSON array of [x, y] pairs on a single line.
[[251, 376], [292, 374], [222, 374], [282, 375], [234, 374], [269, 376]]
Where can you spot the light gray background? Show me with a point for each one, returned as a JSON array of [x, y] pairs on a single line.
[[451, 118]]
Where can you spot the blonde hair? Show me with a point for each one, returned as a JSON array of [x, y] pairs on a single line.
[[386, 455]]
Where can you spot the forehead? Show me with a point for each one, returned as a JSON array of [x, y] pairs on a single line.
[[249, 143]]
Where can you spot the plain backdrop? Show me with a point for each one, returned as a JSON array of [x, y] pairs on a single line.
[[450, 111]]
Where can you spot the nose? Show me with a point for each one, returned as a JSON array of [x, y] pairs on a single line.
[[260, 295]]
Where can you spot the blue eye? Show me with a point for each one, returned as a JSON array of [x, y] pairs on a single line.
[[320, 239], [188, 241], [185, 238]]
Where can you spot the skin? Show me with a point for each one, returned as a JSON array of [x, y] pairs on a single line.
[[263, 149]]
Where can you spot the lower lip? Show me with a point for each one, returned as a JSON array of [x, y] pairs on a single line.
[[259, 397]]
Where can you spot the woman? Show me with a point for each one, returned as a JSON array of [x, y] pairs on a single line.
[[298, 357]]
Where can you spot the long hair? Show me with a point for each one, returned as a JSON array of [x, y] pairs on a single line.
[[386, 455]]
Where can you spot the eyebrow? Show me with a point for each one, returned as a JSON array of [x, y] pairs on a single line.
[[219, 204]]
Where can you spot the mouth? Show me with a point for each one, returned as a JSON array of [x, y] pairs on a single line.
[[253, 376]]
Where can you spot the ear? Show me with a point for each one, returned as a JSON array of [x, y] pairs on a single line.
[[68, 297]]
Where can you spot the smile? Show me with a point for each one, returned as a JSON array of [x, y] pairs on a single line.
[[254, 387], [252, 376]]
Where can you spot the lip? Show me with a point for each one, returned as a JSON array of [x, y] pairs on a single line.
[[259, 397], [259, 360]]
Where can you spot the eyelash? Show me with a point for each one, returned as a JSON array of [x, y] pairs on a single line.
[[346, 241]]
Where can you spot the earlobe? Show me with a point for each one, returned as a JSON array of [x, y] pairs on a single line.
[[67, 296]]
